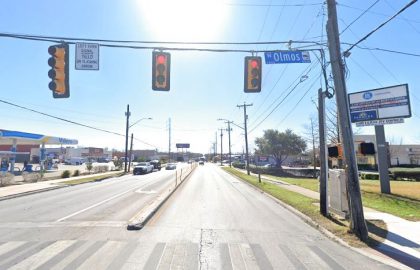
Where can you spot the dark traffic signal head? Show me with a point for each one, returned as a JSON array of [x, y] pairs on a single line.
[[252, 77], [59, 72], [161, 71], [367, 148]]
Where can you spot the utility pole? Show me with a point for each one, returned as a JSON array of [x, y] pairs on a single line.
[[127, 114], [230, 150], [215, 147], [323, 166], [131, 152], [169, 145], [357, 224], [221, 147], [246, 134]]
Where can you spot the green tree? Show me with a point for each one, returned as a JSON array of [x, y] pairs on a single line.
[[280, 145]]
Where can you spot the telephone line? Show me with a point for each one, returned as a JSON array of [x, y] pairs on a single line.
[[70, 121]]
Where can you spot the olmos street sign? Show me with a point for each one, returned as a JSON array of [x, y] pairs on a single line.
[[373, 106], [287, 57]]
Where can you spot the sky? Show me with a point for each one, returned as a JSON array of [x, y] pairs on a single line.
[[205, 86]]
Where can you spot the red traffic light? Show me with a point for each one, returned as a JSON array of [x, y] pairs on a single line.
[[253, 74], [254, 63], [161, 59]]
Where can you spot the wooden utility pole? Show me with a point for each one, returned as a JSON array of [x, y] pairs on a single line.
[[323, 166], [127, 114], [246, 134], [357, 224], [131, 152]]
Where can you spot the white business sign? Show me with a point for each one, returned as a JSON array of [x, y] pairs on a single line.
[[87, 56], [380, 104], [380, 122]]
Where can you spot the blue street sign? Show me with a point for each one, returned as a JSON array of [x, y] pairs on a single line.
[[287, 57], [363, 116]]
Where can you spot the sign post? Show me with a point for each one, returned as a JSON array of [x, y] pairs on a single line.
[[389, 105]]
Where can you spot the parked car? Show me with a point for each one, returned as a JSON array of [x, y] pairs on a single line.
[[269, 166], [143, 168], [201, 162], [156, 164], [171, 166]]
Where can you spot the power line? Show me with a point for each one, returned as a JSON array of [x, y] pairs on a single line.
[[69, 121], [390, 51], [274, 5], [358, 17], [379, 27]]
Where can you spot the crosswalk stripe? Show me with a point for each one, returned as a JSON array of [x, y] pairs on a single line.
[[123, 256], [27, 250], [83, 256], [292, 257], [41, 257], [6, 247], [61, 256], [236, 257], [103, 257], [155, 256], [326, 259], [262, 260]]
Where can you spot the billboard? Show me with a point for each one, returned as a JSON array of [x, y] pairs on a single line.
[[182, 145], [379, 106]]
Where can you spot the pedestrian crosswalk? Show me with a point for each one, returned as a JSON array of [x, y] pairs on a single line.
[[84, 254]]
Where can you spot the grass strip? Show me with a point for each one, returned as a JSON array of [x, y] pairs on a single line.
[[309, 207], [407, 207], [88, 179]]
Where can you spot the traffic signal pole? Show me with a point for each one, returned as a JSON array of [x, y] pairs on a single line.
[[246, 134], [323, 177], [357, 224]]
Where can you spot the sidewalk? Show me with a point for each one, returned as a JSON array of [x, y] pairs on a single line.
[[27, 188], [402, 240]]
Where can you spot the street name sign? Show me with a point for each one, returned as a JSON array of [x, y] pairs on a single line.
[[87, 56], [372, 106], [182, 145], [287, 57]]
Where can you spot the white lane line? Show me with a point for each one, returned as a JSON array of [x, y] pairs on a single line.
[[97, 204], [43, 256], [6, 247]]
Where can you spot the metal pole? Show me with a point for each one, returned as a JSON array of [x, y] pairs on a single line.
[[131, 151], [382, 159], [357, 224], [221, 147], [169, 150], [127, 114], [230, 150], [323, 178]]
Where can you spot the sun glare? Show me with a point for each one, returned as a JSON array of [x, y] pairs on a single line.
[[184, 20]]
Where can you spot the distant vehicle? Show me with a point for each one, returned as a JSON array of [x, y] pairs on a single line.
[[156, 164], [143, 168], [201, 162], [171, 166], [75, 161], [269, 166]]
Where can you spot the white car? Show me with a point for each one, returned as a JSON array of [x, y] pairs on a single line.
[[143, 168]]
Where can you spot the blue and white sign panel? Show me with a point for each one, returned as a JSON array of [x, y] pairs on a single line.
[[374, 106], [287, 57]]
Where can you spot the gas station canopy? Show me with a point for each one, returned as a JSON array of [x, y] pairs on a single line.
[[8, 136]]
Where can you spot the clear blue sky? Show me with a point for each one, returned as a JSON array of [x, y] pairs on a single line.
[[204, 86]]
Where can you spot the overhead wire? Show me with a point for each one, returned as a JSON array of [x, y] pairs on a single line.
[[358, 17], [68, 121], [379, 27]]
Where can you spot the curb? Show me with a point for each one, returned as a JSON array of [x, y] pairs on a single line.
[[8, 197], [139, 220], [324, 231], [58, 186]]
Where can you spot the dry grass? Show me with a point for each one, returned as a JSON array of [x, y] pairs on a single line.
[[406, 189]]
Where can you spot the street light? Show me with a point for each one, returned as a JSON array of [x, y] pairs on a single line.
[[126, 136]]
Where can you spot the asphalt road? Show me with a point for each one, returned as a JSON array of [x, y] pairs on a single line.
[[213, 221]]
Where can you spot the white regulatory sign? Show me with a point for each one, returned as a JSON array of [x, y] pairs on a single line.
[[87, 56], [380, 122]]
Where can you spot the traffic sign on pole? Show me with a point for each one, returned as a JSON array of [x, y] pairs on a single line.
[[287, 57]]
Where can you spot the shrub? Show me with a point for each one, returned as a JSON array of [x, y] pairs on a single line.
[[65, 174], [410, 175], [238, 165], [6, 179], [76, 173], [369, 176], [89, 166]]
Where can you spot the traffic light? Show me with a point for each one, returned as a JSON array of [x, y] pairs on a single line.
[[59, 72], [161, 73], [252, 78], [335, 151], [367, 148]]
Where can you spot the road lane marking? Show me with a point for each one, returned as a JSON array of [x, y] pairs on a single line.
[[100, 203], [141, 191], [43, 256], [6, 247]]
